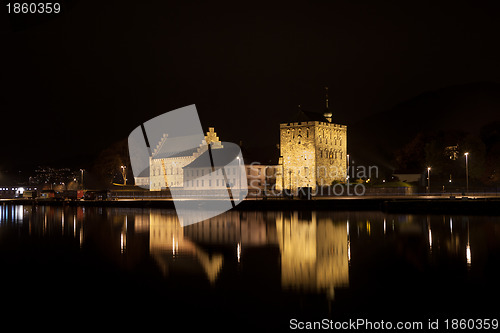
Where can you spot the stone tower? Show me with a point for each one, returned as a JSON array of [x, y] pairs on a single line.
[[313, 151]]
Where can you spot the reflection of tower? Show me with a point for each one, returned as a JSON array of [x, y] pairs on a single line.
[[314, 254]]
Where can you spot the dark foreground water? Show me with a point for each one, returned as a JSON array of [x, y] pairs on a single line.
[[71, 268]]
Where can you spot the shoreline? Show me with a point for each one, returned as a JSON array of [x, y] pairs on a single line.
[[411, 205]]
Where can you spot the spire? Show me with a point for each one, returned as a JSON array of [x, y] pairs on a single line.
[[327, 114], [326, 95]]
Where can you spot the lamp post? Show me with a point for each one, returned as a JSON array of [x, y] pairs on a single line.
[[467, 171], [347, 171], [239, 177], [81, 170], [428, 179], [124, 174]]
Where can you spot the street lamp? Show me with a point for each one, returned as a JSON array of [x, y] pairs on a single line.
[[81, 170], [239, 177], [124, 174], [467, 171], [428, 179], [347, 171]]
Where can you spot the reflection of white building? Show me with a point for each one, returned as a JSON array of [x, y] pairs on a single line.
[[172, 251], [232, 228], [314, 252]]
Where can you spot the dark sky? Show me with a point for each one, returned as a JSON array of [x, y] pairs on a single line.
[[74, 83]]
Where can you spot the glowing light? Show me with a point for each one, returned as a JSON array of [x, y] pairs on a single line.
[[349, 251], [238, 251], [385, 223], [430, 239], [123, 242], [468, 254]]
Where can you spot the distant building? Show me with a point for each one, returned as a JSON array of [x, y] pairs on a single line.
[[313, 151], [451, 152], [10, 192], [143, 178], [408, 177]]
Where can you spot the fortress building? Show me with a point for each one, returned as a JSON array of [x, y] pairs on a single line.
[[313, 151]]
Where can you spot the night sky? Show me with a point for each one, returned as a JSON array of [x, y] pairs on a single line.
[[74, 83]]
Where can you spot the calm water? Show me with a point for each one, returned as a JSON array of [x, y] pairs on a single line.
[[72, 267]]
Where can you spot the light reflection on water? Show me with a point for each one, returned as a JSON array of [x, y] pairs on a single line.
[[326, 254]]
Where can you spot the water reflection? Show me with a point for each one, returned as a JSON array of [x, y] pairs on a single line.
[[172, 250], [314, 252], [308, 252]]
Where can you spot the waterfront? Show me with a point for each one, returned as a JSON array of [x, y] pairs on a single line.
[[116, 266]]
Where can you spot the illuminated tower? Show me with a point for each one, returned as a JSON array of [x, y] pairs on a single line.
[[313, 151]]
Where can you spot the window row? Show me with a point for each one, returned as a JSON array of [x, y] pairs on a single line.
[[332, 154]]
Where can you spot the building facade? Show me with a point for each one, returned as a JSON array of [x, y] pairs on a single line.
[[313, 152], [166, 170]]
